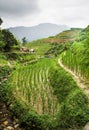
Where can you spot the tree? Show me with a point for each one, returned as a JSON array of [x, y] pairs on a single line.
[[2, 43], [24, 41], [9, 40], [1, 21]]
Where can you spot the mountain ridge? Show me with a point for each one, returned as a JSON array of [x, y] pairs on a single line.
[[42, 30]]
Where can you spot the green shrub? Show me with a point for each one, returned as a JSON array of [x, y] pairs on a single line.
[[74, 113], [61, 82], [4, 72], [32, 121], [18, 109], [28, 119], [4, 88], [2, 43]]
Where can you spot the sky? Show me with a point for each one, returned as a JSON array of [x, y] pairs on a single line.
[[74, 13]]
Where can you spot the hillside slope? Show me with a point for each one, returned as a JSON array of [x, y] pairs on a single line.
[[80, 82], [38, 92], [65, 36], [76, 57], [54, 45]]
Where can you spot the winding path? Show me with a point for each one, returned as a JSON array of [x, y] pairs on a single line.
[[76, 78]]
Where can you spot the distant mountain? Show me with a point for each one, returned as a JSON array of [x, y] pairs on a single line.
[[36, 32]]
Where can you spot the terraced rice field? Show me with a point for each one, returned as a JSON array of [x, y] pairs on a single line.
[[31, 85]]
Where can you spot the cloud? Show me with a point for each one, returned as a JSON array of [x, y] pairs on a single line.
[[66, 3], [32, 12], [70, 12], [18, 8]]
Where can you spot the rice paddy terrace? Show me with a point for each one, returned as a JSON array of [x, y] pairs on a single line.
[[31, 85], [37, 91]]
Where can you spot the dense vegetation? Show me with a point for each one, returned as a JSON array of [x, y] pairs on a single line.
[[73, 111], [77, 57], [46, 96], [8, 41], [2, 43], [37, 91]]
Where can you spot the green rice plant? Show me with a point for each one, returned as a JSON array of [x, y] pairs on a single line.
[[31, 85], [77, 59]]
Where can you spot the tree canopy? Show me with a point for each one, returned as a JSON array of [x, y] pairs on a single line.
[[24, 41], [9, 40], [1, 21]]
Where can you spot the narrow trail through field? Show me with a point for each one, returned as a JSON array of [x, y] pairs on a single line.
[[76, 78]]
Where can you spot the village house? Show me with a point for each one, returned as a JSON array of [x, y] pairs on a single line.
[[24, 49]]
